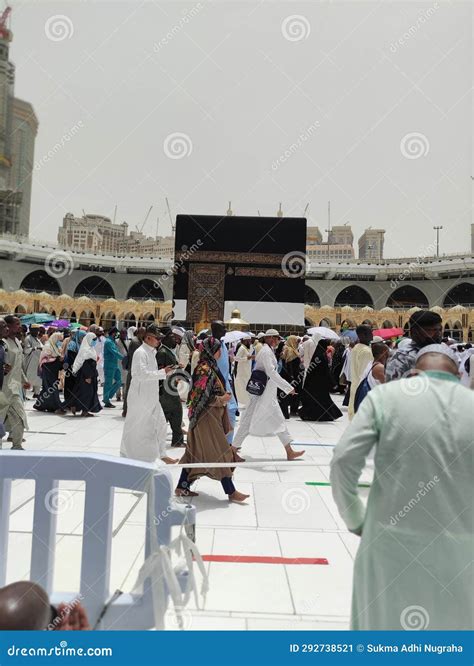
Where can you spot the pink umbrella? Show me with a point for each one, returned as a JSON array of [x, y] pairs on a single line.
[[387, 333]]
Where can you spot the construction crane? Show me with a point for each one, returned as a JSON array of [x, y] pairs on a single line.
[[4, 31], [173, 228], [144, 221]]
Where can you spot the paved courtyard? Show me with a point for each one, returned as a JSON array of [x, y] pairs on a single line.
[[284, 517]]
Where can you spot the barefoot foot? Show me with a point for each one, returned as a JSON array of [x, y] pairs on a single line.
[[238, 497], [293, 455]]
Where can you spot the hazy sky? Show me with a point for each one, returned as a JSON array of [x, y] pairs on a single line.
[[368, 104]]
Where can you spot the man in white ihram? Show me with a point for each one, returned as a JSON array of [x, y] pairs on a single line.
[[413, 569], [144, 432], [263, 416]]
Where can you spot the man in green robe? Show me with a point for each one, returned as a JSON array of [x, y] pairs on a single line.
[[413, 569], [169, 396]]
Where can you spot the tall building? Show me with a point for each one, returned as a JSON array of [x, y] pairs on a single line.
[[91, 233], [97, 233], [339, 247], [313, 236], [18, 129], [341, 235], [24, 130], [371, 244]]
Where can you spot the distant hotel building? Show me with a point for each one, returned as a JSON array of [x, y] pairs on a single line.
[[371, 244], [98, 234], [18, 129], [339, 247]]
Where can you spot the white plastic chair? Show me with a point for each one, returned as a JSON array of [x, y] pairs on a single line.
[[101, 474]]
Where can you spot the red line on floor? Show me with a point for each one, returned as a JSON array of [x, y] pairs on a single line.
[[258, 559]]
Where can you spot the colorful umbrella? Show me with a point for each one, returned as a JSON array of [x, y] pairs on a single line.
[[60, 323], [36, 318], [387, 333], [324, 332]]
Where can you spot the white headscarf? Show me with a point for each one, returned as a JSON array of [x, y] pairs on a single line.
[[51, 350], [86, 352], [131, 332]]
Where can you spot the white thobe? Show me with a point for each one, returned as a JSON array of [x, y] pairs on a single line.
[[244, 370], [414, 560], [144, 432], [361, 356], [263, 416], [308, 348]]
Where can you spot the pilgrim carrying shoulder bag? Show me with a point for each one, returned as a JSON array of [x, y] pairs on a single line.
[[257, 382]]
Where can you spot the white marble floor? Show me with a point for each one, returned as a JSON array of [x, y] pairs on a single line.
[[284, 517]]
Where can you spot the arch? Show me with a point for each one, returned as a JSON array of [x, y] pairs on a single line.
[[461, 294], [147, 318], [94, 287], [107, 320], [470, 334], [168, 317], [326, 322], [86, 318], [353, 295], [406, 328], [40, 281], [129, 319], [456, 331], [73, 317], [308, 322], [144, 289], [311, 297], [20, 309], [407, 296], [64, 314]]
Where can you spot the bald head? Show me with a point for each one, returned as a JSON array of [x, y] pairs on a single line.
[[24, 606], [434, 361]]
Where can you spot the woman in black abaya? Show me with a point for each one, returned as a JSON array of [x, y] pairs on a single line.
[[316, 401]]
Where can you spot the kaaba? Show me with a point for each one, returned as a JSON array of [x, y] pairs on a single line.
[[254, 264]]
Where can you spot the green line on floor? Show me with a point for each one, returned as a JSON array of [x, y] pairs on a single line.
[[326, 483]]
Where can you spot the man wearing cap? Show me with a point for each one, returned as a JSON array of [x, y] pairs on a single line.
[[263, 416], [112, 371], [425, 329], [32, 347], [414, 560], [144, 432], [169, 395]]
